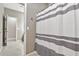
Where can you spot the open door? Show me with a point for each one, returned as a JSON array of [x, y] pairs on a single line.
[[4, 30]]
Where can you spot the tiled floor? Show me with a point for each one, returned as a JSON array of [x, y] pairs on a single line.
[[34, 53], [13, 48]]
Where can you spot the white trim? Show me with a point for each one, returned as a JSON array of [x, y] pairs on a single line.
[[25, 25]]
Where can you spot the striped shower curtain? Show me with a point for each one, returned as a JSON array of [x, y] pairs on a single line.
[[57, 30]]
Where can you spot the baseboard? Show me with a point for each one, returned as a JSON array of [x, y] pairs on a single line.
[[11, 39]]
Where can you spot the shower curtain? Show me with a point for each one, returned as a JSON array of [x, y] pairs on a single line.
[[57, 30]]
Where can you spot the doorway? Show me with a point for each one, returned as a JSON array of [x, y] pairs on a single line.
[[12, 35], [11, 46], [11, 28]]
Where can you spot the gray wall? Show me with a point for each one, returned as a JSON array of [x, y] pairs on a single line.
[[32, 10]]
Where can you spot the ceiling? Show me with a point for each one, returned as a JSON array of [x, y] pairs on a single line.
[[15, 6]]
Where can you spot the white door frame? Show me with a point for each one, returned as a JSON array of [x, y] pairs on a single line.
[[25, 27]]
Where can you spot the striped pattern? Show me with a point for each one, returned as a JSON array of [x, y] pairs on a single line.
[[50, 4], [52, 9], [60, 41], [54, 12], [57, 30], [45, 51], [46, 41], [57, 48]]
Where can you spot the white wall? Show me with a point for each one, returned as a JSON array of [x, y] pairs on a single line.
[[1, 24], [11, 28]]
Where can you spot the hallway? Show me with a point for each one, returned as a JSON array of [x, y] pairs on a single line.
[[13, 48], [11, 29]]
